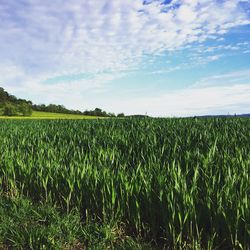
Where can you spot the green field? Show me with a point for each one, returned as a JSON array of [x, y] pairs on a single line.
[[125, 184], [49, 115]]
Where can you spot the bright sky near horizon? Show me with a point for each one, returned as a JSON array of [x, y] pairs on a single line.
[[160, 57]]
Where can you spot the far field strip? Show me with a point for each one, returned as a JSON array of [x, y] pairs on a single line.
[[49, 115]]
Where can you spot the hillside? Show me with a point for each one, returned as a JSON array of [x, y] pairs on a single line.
[[5, 97], [11, 106]]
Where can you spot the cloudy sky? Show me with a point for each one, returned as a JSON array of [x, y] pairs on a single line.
[[160, 57]]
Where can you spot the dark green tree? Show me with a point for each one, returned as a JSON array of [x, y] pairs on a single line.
[[9, 110], [25, 109], [121, 115]]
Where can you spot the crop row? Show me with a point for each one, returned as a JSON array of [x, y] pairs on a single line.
[[180, 182]]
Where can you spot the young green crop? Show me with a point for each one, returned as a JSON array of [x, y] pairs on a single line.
[[182, 183]]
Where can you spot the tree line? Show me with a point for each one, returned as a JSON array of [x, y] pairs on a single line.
[[11, 106], [61, 109]]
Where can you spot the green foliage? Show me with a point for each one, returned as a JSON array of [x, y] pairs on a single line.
[[121, 115], [182, 183], [13, 106], [55, 109], [25, 109], [5, 97], [9, 109], [24, 225], [98, 112], [61, 109]]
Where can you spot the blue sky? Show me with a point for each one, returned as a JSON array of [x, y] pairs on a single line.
[[163, 58]]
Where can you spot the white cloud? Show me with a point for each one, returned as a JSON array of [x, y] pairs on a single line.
[[241, 76], [96, 35], [186, 13], [191, 101], [10, 71], [72, 93], [44, 38]]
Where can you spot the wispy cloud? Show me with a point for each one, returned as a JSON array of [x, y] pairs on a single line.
[[192, 101], [54, 46], [10, 71], [94, 35], [241, 76]]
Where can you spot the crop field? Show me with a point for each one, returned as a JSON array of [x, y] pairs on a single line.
[[125, 184], [48, 115]]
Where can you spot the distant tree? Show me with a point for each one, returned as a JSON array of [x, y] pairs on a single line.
[[111, 114], [43, 107], [120, 115], [9, 110], [3, 95], [98, 112], [12, 99], [25, 109]]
